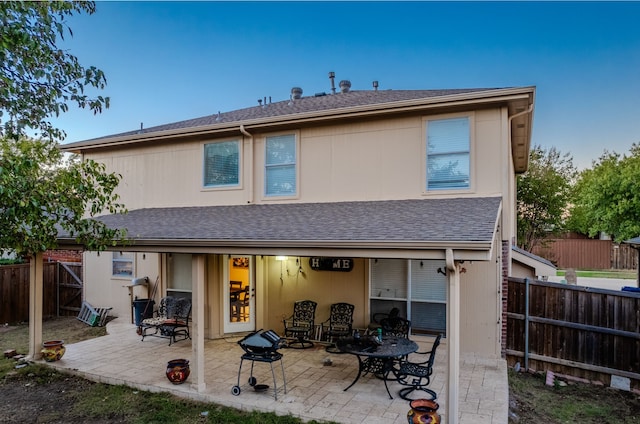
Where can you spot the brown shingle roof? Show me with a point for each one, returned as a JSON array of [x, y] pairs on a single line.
[[467, 220]]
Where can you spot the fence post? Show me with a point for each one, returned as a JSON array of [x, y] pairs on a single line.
[[526, 324]]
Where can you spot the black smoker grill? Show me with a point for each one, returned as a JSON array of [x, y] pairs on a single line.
[[261, 346]]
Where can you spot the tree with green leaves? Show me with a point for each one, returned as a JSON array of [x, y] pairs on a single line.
[[607, 197], [38, 79], [544, 192], [40, 192]]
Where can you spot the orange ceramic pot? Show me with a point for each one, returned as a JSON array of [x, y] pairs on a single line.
[[423, 411], [53, 350]]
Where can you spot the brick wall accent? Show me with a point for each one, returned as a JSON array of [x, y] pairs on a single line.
[[62, 256]]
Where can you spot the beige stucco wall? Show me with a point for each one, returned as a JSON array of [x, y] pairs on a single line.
[[323, 287], [103, 290], [376, 160]]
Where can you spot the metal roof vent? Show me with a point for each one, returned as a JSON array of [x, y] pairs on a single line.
[[296, 93], [345, 86]]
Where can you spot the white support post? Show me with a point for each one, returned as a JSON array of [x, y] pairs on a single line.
[[197, 313], [453, 338], [36, 288]]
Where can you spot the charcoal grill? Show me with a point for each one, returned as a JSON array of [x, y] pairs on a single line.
[[261, 346]]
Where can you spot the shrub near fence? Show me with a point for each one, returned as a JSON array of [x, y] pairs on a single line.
[[578, 331], [14, 292]]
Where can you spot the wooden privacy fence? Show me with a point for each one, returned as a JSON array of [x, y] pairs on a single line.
[[578, 331], [588, 254], [62, 291]]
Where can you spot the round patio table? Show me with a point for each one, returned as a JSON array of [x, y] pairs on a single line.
[[378, 358]]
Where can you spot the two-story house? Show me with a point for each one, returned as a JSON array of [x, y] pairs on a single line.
[[379, 198]]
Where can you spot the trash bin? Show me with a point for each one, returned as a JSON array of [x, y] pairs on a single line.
[[631, 289], [142, 309]]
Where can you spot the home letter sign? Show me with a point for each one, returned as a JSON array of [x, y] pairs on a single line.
[[331, 264]]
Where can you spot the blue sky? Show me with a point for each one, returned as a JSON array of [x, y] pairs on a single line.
[[169, 61]]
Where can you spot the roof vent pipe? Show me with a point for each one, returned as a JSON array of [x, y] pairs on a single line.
[[375, 85], [296, 92], [345, 85], [332, 76]]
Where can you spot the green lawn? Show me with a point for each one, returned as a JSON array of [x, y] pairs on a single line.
[[626, 274]]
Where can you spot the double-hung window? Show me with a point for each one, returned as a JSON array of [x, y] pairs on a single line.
[[123, 264], [448, 154], [417, 287], [222, 164], [280, 166]]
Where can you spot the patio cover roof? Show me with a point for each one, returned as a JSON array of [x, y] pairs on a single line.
[[420, 228]]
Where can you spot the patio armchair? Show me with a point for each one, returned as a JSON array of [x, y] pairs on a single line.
[[170, 321], [395, 327], [417, 375], [339, 324], [301, 324], [379, 316]]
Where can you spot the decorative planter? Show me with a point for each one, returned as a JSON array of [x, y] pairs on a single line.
[[53, 350], [178, 370], [423, 411]]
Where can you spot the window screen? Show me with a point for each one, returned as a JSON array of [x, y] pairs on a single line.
[[448, 154], [280, 166], [222, 164]]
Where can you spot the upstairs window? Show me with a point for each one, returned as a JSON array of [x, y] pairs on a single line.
[[222, 164], [448, 154], [280, 166]]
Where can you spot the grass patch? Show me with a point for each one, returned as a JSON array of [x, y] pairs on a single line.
[[624, 274]]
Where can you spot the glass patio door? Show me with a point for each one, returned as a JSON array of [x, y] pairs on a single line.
[[239, 294]]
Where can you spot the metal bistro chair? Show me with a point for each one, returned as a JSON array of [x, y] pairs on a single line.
[[301, 324], [377, 318], [392, 326], [417, 375], [395, 327], [339, 324]]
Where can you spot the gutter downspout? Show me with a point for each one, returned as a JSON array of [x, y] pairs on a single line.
[[250, 163], [524, 112], [453, 337]]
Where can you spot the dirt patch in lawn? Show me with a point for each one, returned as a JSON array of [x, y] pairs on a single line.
[[531, 401]]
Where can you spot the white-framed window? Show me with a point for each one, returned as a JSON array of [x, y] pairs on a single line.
[[415, 287], [123, 264], [281, 166], [179, 278], [448, 153], [221, 166]]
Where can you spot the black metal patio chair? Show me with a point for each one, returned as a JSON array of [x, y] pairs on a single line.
[[417, 375], [301, 324], [339, 324]]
